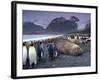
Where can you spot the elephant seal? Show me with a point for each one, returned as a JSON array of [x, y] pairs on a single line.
[[68, 47]]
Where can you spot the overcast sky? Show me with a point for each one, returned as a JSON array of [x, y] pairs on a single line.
[[43, 18]]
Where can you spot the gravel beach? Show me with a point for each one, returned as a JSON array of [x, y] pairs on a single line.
[[66, 60]]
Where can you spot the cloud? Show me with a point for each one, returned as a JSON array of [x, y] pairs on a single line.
[[42, 22], [81, 26]]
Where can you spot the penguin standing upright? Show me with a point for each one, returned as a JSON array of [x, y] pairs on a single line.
[[32, 55], [24, 55], [55, 50], [51, 51], [56, 53], [40, 51]]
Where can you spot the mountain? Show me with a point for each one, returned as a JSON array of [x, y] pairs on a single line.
[[62, 25], [88, 27], [31, 28], [86, 30]]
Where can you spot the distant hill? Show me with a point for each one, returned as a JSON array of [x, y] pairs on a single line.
[[87, 29], [31, 28], [62, 25]]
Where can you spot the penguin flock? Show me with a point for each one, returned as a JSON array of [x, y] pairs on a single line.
[[33, 53]]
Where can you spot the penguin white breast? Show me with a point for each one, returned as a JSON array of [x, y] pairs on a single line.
[[24, 55], [32, 55]]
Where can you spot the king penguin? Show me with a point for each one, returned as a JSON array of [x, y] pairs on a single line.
[[24, 55], [32, 54]]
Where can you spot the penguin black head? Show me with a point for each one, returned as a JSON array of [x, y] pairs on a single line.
[[31, 43], [24, 43], [40, 42]]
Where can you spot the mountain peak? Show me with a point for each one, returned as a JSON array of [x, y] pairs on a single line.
[[58, 20], [62, 25]]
